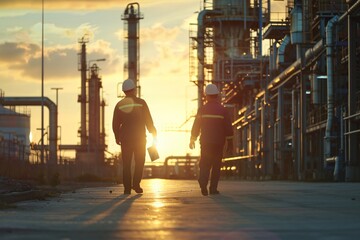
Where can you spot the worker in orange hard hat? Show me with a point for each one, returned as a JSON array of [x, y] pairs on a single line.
[[130, 120], [213, 125]]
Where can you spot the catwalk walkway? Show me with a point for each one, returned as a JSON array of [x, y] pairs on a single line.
[[175, 209]]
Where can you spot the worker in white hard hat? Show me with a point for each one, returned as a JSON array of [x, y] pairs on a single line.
[[130, 120], [213, 124]]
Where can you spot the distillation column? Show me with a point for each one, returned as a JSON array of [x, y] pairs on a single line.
[[131, 17], [95, 141], [82, 97]]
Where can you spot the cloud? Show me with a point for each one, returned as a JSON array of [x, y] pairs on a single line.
[[168, 61], [60, 62], [52, 31], [12, 53], [158, 33], [155, 33], [86, 30], [61, 4], [14, 30], [101, 49], [16, 33], [160, 47], [19, 32], [79, 4], [24, 60]]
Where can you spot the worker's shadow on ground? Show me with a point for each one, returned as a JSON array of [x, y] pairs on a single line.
[[244, 207], [235, 205], [228, 203], [109, 213], [246, 220]]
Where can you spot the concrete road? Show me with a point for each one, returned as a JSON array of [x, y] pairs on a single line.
[[175, 209]]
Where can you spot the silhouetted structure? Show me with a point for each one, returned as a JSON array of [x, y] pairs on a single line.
[[296, 109], [131, 18]]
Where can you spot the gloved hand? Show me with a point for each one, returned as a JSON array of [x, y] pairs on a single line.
[[155, 141], [192, 144]]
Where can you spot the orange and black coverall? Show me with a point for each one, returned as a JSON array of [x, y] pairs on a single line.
[[213, 125], [130, 120]]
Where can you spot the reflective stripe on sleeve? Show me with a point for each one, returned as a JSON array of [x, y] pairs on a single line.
[[212, 116], [130, 106]]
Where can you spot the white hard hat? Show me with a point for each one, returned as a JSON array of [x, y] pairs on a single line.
[[211, 89], [128, 85]]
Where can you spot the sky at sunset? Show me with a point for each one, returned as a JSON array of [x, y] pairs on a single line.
[[164, 61]]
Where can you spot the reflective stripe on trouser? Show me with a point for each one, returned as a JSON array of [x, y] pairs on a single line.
[[210, 161], [128, 150]]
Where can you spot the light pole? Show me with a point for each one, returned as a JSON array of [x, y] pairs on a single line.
[[57, 89], [97, 60], [42, 83]]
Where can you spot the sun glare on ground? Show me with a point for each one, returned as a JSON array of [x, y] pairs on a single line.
[[157, 186]]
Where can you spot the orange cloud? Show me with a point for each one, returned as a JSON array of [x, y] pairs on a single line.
[[61, 62], [158, 33], [61, 4], [16, 53], [78, 4]]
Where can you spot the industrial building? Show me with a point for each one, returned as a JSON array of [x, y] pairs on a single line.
[[290, 82]]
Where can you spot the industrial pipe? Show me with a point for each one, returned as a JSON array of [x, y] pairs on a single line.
[[284, 75], [310, 53], [186, 158], [354, 7], [201, 48], [330, 89], [53, 118], [281, 52]]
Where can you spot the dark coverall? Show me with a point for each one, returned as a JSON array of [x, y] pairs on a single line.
[[130, 120], [214, 124]]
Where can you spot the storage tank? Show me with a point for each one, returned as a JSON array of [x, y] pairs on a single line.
[[14, 134]]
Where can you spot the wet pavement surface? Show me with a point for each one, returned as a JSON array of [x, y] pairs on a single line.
[[175, 209]]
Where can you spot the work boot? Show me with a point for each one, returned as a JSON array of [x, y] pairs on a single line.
[[127, 192], [138, 189], [204, 191], [214, 191]]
